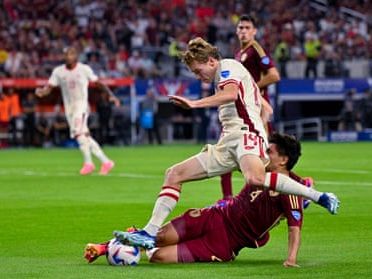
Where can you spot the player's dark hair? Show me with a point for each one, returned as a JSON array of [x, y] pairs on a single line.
[[287, 146], [249, 18]]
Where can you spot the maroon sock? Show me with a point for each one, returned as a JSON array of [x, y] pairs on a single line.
[[226, 185]]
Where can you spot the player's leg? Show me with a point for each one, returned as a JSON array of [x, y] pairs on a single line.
[[167, 235], [167, 254], [253, 170], [93, 251], [75, 123], [188, 170], [97, 151], [82, 128], [226, 186]]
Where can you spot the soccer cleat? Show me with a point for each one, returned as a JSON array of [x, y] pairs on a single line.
[[309, 182], [87, 168], [106, 167], [329, 201], [137, 238], [93, 251]]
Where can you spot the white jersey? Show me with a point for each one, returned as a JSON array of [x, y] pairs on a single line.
[[74, 86], [246, 110]]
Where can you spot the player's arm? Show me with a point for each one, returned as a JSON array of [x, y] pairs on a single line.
[[266, 110], [108, 91], [229, 93], [294, 241], [270, 77], [43, 91]]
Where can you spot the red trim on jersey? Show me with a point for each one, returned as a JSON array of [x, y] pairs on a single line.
[[170, 196], [242, 111], [222, 84], [171, 187], [273, 180], [256, 91]]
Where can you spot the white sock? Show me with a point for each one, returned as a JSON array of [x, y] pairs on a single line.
[[151, 252], [284, 184], [97, 151], [84, 147], [164, 205]]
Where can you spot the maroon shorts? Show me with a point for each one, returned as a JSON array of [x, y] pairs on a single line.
[[203, 237]]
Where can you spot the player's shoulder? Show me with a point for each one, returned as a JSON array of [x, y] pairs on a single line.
[[258, 48], [84, 66], [231, 64]]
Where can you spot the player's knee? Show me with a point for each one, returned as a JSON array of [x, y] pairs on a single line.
[[255, 180], [173, 176]]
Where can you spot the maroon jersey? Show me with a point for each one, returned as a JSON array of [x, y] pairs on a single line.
[[251, 214], [257, 61]]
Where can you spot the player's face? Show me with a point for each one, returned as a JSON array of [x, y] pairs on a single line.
[[245, 32], [71, 56], [204, 71], [277, 161]]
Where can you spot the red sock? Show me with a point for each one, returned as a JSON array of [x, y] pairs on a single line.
[[226, 185]]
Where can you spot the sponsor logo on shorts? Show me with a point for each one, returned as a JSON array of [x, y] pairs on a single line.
[[296, 214]]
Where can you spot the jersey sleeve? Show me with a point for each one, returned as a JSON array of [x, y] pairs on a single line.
[[293, 211], [230, 73], [90, 74], [53, 80]]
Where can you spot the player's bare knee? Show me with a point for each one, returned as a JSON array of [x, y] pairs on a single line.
[[256, 180], [173, 176]]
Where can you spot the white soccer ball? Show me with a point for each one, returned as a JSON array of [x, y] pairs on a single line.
[[120, 254]]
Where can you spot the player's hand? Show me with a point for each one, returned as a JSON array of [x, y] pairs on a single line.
[[39, 92], [116, 101], [289, 263], [181, 101]]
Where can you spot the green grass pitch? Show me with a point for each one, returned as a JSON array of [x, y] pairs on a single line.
[[48, 213]]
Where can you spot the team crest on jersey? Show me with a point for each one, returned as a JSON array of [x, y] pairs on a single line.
[[265, 60], [243, 57], [296, 214], [225, 74]]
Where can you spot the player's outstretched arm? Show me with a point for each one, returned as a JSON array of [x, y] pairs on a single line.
[[294, 240], [228, 94], [43, 91], [108, 91]]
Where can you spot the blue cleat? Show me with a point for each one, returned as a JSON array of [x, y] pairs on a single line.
[[136, 238], [329, 201]]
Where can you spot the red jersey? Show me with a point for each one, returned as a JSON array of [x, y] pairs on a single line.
[[251, 214], [257, 61]]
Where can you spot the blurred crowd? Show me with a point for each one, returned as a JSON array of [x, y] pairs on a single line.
[[120, 38]]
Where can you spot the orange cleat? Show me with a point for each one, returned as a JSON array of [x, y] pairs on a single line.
[[93, 251]]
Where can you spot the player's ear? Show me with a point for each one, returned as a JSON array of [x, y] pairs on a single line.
[[284, 161]]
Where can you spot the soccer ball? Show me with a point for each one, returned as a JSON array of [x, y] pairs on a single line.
[[120, 254]]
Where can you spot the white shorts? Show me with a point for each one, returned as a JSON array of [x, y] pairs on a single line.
[[78, 123], [225, 155]]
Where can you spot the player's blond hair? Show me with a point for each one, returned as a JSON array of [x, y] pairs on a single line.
[[199, 50]]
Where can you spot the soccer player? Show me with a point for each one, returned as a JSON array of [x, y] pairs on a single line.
[[219, 233], [73, 78], [242, 145], [262, 69]]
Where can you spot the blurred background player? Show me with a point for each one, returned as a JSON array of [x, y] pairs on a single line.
[[261, 66], [219, 233], [73, 77], [242, 145]]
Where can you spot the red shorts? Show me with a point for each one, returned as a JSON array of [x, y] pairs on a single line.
[[202, 237]]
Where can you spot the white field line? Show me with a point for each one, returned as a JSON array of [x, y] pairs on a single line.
[[160, 177]]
